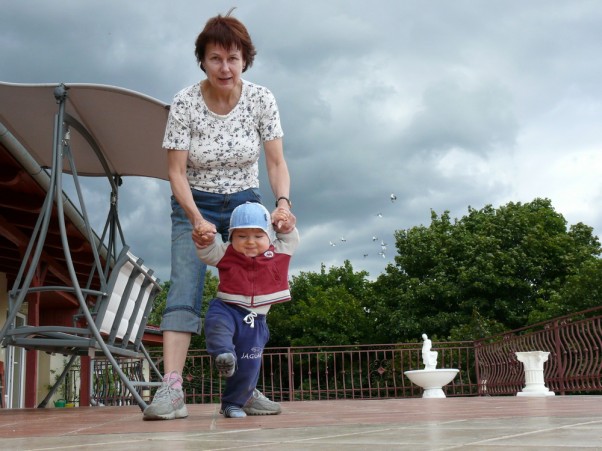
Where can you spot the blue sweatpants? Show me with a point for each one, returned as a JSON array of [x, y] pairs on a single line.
[[227, 331]]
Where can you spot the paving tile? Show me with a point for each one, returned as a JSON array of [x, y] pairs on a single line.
[[471, 423]]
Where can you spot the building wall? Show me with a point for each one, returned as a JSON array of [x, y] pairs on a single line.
[[50, 368], [46, 362], [43, 375]]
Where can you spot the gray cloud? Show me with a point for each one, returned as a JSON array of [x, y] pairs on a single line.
[[445, 104]]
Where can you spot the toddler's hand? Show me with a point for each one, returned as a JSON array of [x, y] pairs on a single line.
[[283, 220], [203, 234]]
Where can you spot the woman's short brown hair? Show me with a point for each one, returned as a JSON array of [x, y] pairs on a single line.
[[228, 32]]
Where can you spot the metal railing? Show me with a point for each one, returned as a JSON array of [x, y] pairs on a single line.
[[108, 388], [486, 367], [574, 364], [336, 372]]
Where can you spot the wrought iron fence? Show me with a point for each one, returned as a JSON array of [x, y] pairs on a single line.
[[486, 367], [68, 390], [336, 372], [574, 365], [107, 387]]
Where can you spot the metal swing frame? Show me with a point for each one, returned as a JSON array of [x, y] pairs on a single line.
[[124, 282]]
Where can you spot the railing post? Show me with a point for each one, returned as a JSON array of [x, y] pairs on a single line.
[[291, 382], [476, 345], [561, 363]]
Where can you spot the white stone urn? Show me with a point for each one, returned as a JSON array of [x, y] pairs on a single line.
[[431, 378], [432, 381], [534, 382]]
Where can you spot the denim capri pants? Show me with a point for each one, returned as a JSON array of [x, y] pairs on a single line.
[[184, 299]]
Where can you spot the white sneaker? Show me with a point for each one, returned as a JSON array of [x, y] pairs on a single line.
[[260, 405], [233, 412], [168, 403]]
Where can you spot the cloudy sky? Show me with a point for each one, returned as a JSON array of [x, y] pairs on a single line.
[[445, 104]]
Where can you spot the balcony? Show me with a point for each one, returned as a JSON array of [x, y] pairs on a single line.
[[357, 397], [487, 367]]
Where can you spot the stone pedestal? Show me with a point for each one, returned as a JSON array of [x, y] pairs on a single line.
[[534, 382]]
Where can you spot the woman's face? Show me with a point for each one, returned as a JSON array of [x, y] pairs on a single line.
[[250, 242], [223, 67]]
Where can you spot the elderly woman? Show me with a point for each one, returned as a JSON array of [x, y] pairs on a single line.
[[214, 136]]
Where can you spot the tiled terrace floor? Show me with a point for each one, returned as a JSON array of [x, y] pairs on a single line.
[[483, 423]]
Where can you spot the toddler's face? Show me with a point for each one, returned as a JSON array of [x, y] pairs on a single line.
[[250, 242]]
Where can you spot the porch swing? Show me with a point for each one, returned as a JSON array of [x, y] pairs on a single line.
[[98, 131]]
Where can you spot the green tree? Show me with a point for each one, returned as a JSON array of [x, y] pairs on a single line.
[[327, 308], [209, 292], [581, 291], [481, 274]]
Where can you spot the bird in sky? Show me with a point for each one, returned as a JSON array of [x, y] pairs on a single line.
[[380, 215], [393, 197], [332, 244], [343, 239], [375, 238]]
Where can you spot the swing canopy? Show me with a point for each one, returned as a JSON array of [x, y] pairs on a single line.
[[127, 126]]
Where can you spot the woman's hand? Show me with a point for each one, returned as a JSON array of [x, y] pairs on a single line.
[[283, 220], [203, 233]]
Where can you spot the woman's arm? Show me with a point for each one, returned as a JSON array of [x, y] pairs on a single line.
[[277, 170], [176, 162], [280, 182]]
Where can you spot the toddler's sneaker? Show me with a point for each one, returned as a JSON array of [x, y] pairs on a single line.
[[260, 405], [226, 364], [168, 403], [233, 412]]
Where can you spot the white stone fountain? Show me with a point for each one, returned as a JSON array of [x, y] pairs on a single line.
[[431, 379]]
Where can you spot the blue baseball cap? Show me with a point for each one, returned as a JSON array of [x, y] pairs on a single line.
[[251, 215]]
